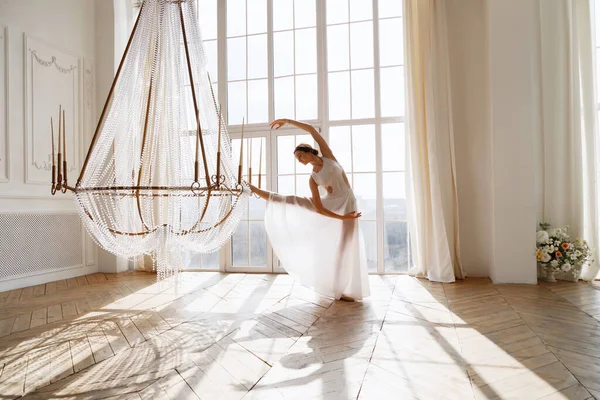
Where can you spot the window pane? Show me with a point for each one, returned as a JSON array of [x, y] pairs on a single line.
[[393, 147], [236, 100], [239, 245], [235, 153], [306, 51], [394, 195], [338, 48], [211, 260], [255, 144], [365, 189], [258, 244], [210, 48], [395, 247], [341, 145], [339, 95], [283, 53], [198, 261], [257, 16], [337, 11], [236, 59], [306, 97], [390, 8], [257, 206], [361, 42], [392, 92], [361, 10], [302, 187], [286, 184], [363, 148], [391, 42], [285, 156], [363, 97], [257, 56], [207, 15], [284, 97], [305, 138], [236, 17], [369, 230], [283, 15], [258, 101], [304, 13]]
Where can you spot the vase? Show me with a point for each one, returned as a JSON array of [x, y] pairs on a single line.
[[541, 272], [550, 275]]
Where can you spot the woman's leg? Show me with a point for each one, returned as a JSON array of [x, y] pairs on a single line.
[[297, 200], [263, 194]]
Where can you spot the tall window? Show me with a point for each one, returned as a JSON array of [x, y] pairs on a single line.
[[247, 62], [338, 64], [295, 59]]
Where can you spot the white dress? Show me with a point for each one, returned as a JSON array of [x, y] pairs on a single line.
[[322, 253]]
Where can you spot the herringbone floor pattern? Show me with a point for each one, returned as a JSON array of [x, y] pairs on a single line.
[[221, 336]]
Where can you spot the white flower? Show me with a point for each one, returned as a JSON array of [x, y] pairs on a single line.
[[542, 237], [577, 253], [546, 257], [573, 257], [554, 263], [566, 267], [552, 232]]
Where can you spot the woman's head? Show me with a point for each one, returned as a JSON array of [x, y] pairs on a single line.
[[305, 153]]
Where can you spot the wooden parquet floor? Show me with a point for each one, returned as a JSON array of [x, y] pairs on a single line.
[[233, 336]]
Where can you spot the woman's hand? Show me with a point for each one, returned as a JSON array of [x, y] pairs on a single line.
[[352, 215], [278, 123]]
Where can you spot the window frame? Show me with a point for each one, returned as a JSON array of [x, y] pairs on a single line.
[[322, 122]]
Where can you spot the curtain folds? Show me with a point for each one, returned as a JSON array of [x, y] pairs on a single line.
[[432, 198], [569, 116]]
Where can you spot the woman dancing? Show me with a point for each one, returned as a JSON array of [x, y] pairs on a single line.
[[318, 239]]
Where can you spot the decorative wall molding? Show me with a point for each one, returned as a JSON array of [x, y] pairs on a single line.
[[51, 78], [88, 121], [4, 131], [60, 69], [88, 84]]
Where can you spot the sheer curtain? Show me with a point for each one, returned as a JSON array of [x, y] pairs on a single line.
[[570, 146], [431, 179]]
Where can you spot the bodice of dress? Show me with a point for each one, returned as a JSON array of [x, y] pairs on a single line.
[[341, 199], [332, 174]]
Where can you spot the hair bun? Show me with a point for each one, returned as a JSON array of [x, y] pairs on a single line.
[[307, 148]]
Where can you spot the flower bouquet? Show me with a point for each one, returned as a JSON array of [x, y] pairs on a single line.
[[556, 252]]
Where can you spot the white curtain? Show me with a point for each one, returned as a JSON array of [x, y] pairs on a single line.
[[570, 151], [431, 179]]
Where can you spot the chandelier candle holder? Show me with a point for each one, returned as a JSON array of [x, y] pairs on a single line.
[[159, 176]]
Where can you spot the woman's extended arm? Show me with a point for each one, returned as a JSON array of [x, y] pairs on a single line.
[[323, 146], [316, 199]]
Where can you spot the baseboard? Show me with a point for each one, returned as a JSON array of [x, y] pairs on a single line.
[[38, 278]]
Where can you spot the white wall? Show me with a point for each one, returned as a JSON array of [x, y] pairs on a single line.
[[494, 62], [515, 126], [64, 29]]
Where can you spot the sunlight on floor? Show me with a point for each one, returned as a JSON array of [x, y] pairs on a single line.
[[262, 336]]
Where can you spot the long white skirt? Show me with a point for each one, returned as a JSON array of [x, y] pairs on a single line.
[[322, 253]]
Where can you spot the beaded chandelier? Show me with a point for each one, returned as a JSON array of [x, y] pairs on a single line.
[[159, 176]]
